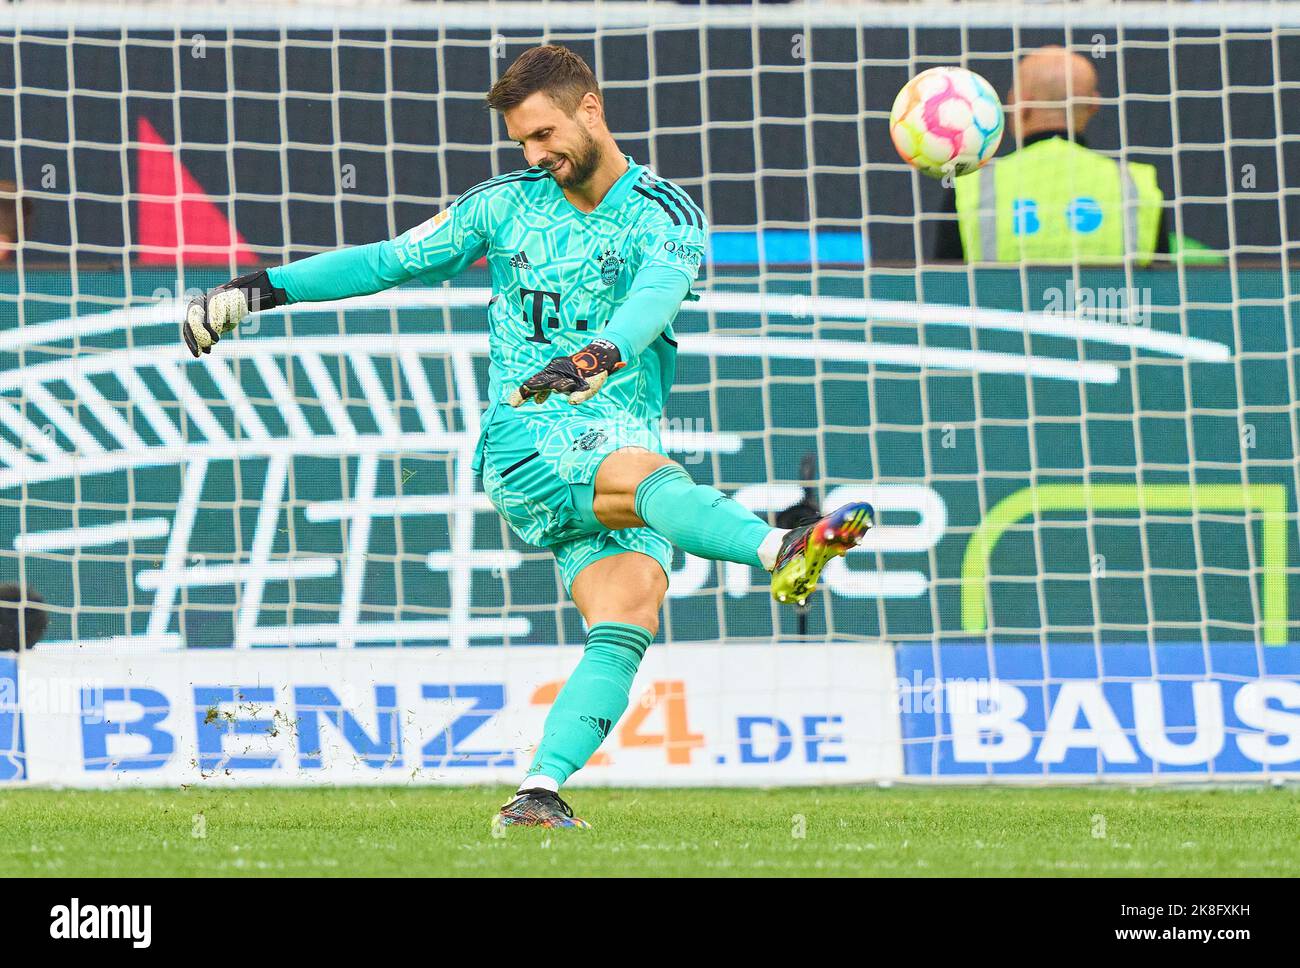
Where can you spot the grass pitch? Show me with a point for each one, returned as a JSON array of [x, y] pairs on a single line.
[[923, 831]]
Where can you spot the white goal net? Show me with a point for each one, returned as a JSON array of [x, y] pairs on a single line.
[[1070, 455]]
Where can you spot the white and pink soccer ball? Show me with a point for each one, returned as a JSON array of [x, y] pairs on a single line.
[[946, 120]]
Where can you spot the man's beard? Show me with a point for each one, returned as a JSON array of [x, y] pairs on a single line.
[[582, 164]]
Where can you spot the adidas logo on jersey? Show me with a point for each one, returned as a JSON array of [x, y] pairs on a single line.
[[520, 260]]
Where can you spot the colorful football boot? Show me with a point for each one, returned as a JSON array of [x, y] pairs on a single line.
[[805, 551], [538, 808]]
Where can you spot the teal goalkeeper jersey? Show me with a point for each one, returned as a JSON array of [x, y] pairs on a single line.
[[560, 278]]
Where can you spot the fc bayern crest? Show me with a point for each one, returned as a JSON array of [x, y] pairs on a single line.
[[610, 263]]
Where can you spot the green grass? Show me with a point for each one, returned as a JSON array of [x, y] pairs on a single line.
[[923, 831]]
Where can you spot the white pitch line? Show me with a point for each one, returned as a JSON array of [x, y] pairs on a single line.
[[97, 534]]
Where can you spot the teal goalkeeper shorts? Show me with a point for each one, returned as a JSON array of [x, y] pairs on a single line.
[[539, 472]]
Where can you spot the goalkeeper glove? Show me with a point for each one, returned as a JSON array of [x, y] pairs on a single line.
[[579, 376], [215, 313]]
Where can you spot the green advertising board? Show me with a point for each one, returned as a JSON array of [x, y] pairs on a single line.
[[1055, 457]]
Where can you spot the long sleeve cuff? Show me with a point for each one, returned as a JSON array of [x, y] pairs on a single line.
[[654, 301], [356, 271]]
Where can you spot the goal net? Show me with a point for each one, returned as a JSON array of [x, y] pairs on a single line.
[[1058, 455]]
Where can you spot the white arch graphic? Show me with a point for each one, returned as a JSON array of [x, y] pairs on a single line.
[[114, 444]]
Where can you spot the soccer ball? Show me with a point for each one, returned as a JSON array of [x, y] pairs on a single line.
[[946, 120]]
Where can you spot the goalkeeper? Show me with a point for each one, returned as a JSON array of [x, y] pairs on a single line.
[[591, 256]]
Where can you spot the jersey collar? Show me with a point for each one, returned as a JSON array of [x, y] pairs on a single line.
[[617, 193]]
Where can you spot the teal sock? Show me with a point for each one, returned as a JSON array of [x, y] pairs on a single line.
[[592, 701], [698, 519]]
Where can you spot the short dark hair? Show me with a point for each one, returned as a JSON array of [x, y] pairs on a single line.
[[21, 631], [558, 71]]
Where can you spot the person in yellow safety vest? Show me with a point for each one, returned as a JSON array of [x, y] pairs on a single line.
[[1054, 199]]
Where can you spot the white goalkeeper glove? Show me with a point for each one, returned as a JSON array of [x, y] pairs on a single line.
[[211, 315]]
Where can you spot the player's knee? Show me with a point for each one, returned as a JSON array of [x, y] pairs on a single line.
[[614, 495], [646, 598], [630, 589], [644, 617], [647, 617], [624, 469], [640, 597]]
